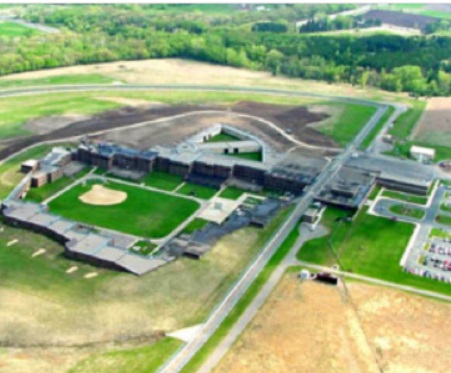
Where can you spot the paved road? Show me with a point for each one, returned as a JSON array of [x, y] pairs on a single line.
[[223, 309]]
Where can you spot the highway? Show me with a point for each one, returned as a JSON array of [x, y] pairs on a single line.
[[222, 310]]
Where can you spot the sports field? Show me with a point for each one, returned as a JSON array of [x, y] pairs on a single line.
[[144, 213]]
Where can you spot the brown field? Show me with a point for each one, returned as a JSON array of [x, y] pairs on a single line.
[[176, 71], [317, 328], [434, 126], [102, 196]]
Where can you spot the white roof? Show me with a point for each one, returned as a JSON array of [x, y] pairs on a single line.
[[421, 150], [30, 163]]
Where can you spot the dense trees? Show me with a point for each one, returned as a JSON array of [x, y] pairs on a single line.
[[420, 65], [337, 23]]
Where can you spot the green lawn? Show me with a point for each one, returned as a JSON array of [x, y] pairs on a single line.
[[412, 198], [437, 232], [370, 246], [163, 180], [350, 121], [251, 156], [232, 193], [407, 211], [12, 29], [374, 192], [223, 137], [195, 225], [445, 207], [443, 219], [195, 363], [146, 359], [58, 79], [198, 191], [402, 149], [144, 213], [42, 193], [143, 247], [377, 128]]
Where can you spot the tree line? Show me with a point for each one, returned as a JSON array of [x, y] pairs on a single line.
[[419, 65]]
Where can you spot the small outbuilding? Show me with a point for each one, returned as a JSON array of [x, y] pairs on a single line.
[[422, 154], [30, 165]]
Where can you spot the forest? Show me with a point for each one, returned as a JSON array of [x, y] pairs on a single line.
[[129, 32]]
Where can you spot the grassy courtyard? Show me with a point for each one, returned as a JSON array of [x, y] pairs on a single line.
[[232, 193], [162, 180], [412, 198], [369, 245], [198, 191], [144, 213]]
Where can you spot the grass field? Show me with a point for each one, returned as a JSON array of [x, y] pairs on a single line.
[[407, 211], [138, 360], [404, 124], [163, 180], [403, 150], [370, 245], [12, 29], [223, 137], [55, 80], [348, 124], [144, 213], [198, 191], [195, 225], [232, 193], [377, 128], [242, 304], [42, 193], [412, 198], [251, 156]]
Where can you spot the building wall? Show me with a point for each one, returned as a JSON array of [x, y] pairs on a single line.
[[283, 184], [249, 174]]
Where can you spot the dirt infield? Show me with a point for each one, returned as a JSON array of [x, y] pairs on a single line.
[[434, 126], [102, 196], [317, 328]]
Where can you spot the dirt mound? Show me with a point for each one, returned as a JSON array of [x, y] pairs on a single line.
[[102, 196], [294, 118]]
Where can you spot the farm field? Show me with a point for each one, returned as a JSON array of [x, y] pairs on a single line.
[[361, 247], [144, 213], [116, 305], [358, 331]]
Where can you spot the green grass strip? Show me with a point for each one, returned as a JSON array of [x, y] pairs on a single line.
[[377, 128]]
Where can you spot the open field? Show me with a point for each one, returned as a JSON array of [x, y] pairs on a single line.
[[434, 127], [412, 198], [370, 245], [143, 213], [116, 306], [406, 122], [177, 71], [145, 359], [314, 327], [349, 123], [12, 29], [55, 80], [244, 302], [195, 225]]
